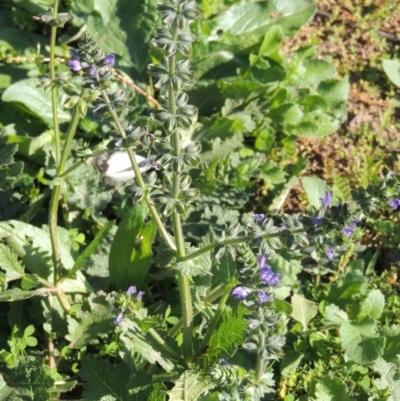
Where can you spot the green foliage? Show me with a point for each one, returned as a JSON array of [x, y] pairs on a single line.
[[131, 250], [190, 238]]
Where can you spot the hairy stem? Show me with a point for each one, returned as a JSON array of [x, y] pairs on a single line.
[[54, 91], [214, 321], [184, 285], [139, 178]]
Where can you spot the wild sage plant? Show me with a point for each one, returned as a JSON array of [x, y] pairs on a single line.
[[226, 283]]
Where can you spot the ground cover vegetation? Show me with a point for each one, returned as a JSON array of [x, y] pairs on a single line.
[[199, 200]]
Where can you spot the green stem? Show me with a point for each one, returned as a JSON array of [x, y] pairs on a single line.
[[260, 368], [54, 91], [184, 285], [215, 320], [55, 195], [139, 178], [231, 241]]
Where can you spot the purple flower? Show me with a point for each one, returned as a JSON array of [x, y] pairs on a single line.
[[224, 362], [267, 276], [262, 259], [263, 297], [131, 290], [240, 293], [394, 203], [75, 65], [390, 174], [318, 221], [93, 71], [109, 60], [118, 320], [258, 217], [348, 231], [140, 294], [75, 55], [326, 200], [330, 253]]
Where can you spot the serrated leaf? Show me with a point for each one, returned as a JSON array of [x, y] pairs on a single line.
[[32, 381], [29, 281], [102, 378], [33, 246], [361, 342], [303, 310], [190, 386], [85, 327], [229, 335], [10, 264], [141, 347], [373, 305], [388, 380]]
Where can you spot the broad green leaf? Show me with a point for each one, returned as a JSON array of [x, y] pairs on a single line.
[[8, 393], [245, 25], [315, 190], [85, 326], [389, 378], [392, 349], [335, 315], [16, 294], [17, 40], [118, 34], [83, 258], [212, 60], [331, 389], [190, 386], [32, 381], [136, 345], [291, 361], [33, 246], [141, 386], [32, 147], [316, 71], [103, 378], [29, 281], [392, 70], [334, 92], [34, 100], [229, 335], [287, 114], [303, 310], [10, 264], [131, 252], [361, 342], [373, 305], [341, 292]]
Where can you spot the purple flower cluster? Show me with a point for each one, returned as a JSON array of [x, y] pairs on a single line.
[[327, 199], [258, 217], [394, 203], [129, 292], [349, 230], [318, 221], [330, 253], [77, 65], [267, 276]]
